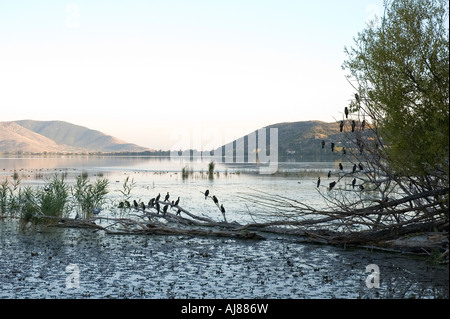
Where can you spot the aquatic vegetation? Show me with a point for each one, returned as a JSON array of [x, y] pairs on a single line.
[[89, 197]]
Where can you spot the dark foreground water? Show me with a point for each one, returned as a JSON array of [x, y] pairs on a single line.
[[81, 263]]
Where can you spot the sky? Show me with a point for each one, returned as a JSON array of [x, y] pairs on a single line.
[[172, 74]]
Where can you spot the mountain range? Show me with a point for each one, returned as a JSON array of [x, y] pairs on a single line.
[[28, 136], [300, 140]]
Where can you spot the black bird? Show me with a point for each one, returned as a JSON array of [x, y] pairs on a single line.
[[167, 197], [157, 207], [329, 174], [332, 147], [341, 126], [346, 112], [77, 216], [353, 125], [157, 198], [361, 187], [143, 206], [178, 211], [361, 167], [216, 201], [165, 209], [354, 168], [323, 144], [136, 205], [121, 205], [222, 209], [177, 201], [172, 204], [341, 167], [332, 184], [206, 193], [318, 182], [354, 183], [363, 124], [127, 204], [151, 203], [357, 97]]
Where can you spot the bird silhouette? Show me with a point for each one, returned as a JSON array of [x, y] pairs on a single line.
[[329, 174], [341, 167], [206, 193], [361, 187], [177, 201], [157, 207], [354, 168], [363, 124], [344, 151], [121, 205], [354, 183], [157, 197], [357, 97], [222, 209], [361, 167], [216, 201], [151, 203], [165, 209], [332, 184], [178, 211], [346, 112], [127, 204], [353, 125], [167, 197], [135, 204], [318, 182], [143, 206], [323, 144], [332, 147], [341, 126], [77, 216]]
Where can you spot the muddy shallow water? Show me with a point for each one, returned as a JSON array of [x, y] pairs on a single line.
[[81, 263]]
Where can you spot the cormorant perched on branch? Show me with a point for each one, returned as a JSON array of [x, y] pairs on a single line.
[[332, 147], [136, 205], [216, 201], [361, 167], [143, 206], [353, 125], [318, 182], [178, 211], [354, 168], [158, 197], [361, 187], [341, 126], [151, 203], [157, 207], [329, 174], [177, 201], [206, 193], [354, 183], [332, 184], [363, 124], [346, 112], [167, 197], [121, 205], [165, 209], [341, 167]]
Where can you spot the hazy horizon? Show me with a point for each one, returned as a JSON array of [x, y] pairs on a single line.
[[151, 73]]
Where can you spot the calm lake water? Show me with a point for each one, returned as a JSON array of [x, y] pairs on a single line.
[[33, 264]]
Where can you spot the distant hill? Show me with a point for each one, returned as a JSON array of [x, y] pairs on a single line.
[[302, 140], [30, 136]]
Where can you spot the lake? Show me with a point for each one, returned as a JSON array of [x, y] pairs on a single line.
[[33, 263]]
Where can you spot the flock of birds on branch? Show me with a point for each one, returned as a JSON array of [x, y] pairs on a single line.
[[157, 202], [359, 143]]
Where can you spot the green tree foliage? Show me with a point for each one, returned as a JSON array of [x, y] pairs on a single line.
[[401, 66]]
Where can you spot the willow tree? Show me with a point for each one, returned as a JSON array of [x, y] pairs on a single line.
[[400, 64]]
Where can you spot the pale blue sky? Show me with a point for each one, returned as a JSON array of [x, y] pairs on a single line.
[[165, 73]]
